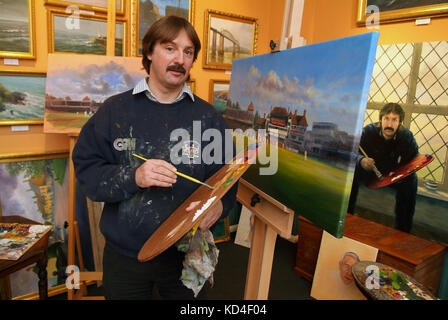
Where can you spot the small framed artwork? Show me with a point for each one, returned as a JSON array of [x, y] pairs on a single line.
[[391, 11], [218, 94], [93, 5], [228, 37], [144, 13], [192, 84], [90, 37], [22, 98], [17, 31]]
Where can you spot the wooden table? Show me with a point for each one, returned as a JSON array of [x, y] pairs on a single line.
[[36, 254], [420, 258]]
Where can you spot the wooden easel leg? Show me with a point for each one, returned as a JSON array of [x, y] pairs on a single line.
[[71, 213], [260, 261]]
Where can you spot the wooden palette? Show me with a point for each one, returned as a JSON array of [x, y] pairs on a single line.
[[181, 221], [401, 172]]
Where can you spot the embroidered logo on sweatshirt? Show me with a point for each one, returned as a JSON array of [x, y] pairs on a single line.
[[191, 149], [122, 144]]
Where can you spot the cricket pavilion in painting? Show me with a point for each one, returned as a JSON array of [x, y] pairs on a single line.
[[323, 140]]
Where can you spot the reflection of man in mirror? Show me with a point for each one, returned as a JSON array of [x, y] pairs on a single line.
[[388, 144], [345, 267]]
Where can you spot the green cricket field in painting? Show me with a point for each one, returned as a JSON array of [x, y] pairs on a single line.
[[308, 103], [313, 180]]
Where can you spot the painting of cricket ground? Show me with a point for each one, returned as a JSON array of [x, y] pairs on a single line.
[[75, 90], [308, 103]]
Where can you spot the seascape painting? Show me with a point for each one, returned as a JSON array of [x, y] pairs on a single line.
[[22, 97], [38, 190], [89, 38], [219, 91], [16, 29], [75, 91], [151, 11], [312, 116]]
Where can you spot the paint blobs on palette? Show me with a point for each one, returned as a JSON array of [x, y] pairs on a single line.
[[199, 212]]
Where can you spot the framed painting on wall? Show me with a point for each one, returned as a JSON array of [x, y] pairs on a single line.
[[218, 94], [228, 37], [36, 188], [22, 98], [391, 10], [17, 32], [90, 37], [145, 12], [192, 84], [95, 5]]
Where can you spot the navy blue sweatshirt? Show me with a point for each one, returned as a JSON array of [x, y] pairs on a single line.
[[105, 168], [388, 154]]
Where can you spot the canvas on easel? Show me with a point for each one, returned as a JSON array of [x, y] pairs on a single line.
[[309, 103]]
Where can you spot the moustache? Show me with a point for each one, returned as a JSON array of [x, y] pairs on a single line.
[[177, 68], [389, 128]]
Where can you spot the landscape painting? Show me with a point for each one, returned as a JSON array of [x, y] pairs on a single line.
[[309, 104], [75, 91], [22, 98], [90, 37], [17, 29], [218, 93], [151, 11], [38, 190], [228, 37]]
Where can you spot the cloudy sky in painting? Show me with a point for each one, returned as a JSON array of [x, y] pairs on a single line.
[[95, 76], [325, 79]]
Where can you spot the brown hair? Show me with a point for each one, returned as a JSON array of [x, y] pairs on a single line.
[[394, 108], [166, 29]]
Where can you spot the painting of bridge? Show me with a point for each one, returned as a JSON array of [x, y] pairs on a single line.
[[228, 37]]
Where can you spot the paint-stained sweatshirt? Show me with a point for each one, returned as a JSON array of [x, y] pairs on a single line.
[[131, 123]]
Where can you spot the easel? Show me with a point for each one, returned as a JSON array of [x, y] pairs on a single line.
[[271, 219], [73, 234]]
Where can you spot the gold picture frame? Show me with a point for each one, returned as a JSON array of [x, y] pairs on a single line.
[[101, 39], [240, 31], [93, 5], [406, 10], [18, 29], [28, 157], [192, 84], [24, 117], [138, 29]]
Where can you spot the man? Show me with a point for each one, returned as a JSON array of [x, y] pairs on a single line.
[[138, 197], [389, 144]]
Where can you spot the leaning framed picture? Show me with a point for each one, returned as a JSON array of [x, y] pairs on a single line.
[[89, 37], [17, 30], [22, 98], [93, 5], [145, 12], [391, 11], [36, 187], [218, 94], [228, 37]]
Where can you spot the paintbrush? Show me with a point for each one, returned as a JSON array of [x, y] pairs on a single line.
[[377, 172], [179, 173]]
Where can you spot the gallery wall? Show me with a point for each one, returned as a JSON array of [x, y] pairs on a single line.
[[325, 20], [269, 15]]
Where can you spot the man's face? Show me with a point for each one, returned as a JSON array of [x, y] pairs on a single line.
[[171, 62], [389, 124], [345, 268]]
